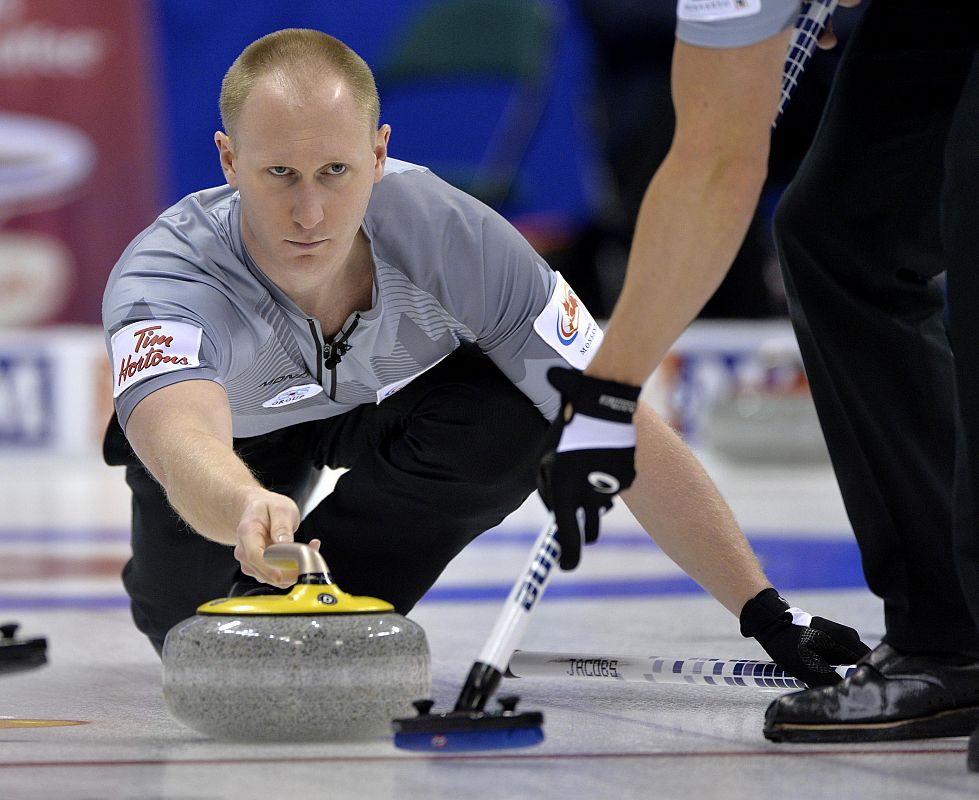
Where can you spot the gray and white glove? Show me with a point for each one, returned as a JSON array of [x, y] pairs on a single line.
[[590, 458]]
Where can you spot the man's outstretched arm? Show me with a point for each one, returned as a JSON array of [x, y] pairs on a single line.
[[682, 510], [183, 435]]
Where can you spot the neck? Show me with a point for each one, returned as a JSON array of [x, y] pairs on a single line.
[[334, 297]]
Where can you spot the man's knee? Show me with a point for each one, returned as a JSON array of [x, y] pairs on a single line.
[[505, 440], [485, 426], [792, 222]]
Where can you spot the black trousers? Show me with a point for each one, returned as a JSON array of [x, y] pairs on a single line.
[[885, 202], [433, 466]]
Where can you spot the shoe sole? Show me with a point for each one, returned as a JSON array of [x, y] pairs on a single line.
[[957, 722]]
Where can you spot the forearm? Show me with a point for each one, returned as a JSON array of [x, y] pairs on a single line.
[[207, 484], [699, 204], [690, 226], [677, 503], [183, 435]]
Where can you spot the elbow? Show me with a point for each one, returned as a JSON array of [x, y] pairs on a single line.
[[738, 165], [150, 454], [741, 181]]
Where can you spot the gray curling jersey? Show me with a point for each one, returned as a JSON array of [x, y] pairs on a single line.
[[185, 301], [733, 23]]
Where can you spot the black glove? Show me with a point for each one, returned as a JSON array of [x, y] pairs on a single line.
[[590, 456], [804, 646]]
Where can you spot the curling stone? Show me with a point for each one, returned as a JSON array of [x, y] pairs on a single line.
[[315, 664]]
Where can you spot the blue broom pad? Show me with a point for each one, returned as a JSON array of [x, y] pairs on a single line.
[[462, 741]]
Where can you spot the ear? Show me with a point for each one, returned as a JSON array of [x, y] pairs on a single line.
[[227, 155], [381, 150]]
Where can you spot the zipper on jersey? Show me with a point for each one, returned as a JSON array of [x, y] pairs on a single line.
[[329, 353], [319, 350]]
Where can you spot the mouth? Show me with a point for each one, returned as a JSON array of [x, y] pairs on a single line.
[[306, 245]]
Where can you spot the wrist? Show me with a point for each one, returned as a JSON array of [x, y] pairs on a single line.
[[603, 399], [584, 432], [247, 493], [616, 360], [761, 611]]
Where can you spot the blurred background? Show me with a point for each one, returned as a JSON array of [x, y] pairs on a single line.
[[554, 112]]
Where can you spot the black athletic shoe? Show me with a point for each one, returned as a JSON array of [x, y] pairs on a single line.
[[890, 696]]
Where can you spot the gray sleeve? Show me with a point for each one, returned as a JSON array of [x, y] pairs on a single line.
[[531, 318], [156, 342], [487, 278], [733, 23]]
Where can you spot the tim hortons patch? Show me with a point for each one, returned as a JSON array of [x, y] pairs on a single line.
[[152, 347]]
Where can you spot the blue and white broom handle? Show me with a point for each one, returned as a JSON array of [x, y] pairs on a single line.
[[525, 594], [809, 27], [654, 669]]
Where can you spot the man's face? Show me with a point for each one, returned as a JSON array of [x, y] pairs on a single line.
[[305, 167]]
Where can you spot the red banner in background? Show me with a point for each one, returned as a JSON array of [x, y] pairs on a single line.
[[78, 158]]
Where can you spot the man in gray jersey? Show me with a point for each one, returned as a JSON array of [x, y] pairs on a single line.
[[334, 307]]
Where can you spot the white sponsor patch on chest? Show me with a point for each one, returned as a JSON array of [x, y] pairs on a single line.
[[566, 326], [293, 395], [712, 10], [152, 347]]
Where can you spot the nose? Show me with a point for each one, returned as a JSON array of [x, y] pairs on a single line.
[[307, 212]]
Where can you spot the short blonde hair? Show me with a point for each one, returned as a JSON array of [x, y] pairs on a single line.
[[299, 55]]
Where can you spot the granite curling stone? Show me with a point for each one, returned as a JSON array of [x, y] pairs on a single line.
[[316, 664]]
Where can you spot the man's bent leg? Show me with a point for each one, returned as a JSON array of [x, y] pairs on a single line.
[[173, 569], [432, 467]]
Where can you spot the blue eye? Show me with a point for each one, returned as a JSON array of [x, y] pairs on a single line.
[[279, 172], [336, 169]]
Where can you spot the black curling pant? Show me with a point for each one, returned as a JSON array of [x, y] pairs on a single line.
[[433, 466], [887, 200]]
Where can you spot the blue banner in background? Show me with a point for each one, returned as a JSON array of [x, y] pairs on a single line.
[[490, 94], [26, 399]]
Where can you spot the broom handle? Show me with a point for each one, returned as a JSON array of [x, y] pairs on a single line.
[[526, 592], [654, 669]]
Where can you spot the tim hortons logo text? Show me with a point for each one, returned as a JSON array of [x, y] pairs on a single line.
[[149, 351]]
